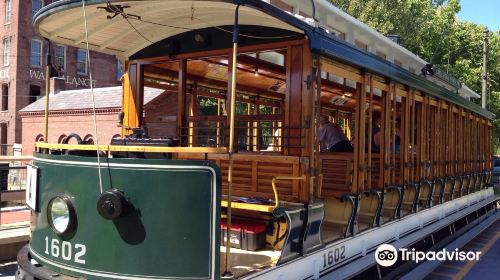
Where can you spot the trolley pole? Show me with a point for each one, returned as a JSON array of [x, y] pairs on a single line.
[[227, 272], [485, 68], [47, 89]]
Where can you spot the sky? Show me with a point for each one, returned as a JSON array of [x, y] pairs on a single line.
[[481, 11]]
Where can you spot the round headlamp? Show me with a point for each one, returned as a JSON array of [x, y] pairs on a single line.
[[61, 214]]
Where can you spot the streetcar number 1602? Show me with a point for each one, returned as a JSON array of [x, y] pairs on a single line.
[[65, 250], [333, 256]]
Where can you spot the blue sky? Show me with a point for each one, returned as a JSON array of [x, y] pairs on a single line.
[[484, 12]]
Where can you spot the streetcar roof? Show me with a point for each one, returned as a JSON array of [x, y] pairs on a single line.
[[151, 21]]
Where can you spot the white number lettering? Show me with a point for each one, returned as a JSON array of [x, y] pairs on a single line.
[[66, 250], [54, 248], [46, 245], [80, 254]]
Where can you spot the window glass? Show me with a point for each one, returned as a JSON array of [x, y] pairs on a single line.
[[34, 93], [81, 61], [5, 97], [61, 57], [8, 11], [36, 5], [6, 51], [36, 53]]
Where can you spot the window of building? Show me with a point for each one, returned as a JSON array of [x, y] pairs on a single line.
[[61, 57], [3, 140], [81, 61], [119, 70], [34, 93], [88, 139], [8, 11], [6, 51], [36, 53], [36, 5], [39, 138], [61, 139], [5, 97]]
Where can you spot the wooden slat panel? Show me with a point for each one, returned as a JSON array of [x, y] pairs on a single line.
[[253, 174], [337, 169]]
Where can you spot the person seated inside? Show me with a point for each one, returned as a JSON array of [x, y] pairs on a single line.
[[375, 133], [332, 138]]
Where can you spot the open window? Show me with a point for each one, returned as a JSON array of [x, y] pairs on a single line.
[[202, 119]]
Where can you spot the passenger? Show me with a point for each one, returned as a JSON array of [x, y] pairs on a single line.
[[375, 132], [332, 138], [397, 139]]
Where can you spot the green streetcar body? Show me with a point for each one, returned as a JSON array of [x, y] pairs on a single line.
[[158, 238]]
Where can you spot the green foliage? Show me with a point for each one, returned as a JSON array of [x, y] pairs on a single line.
[[432, 30]]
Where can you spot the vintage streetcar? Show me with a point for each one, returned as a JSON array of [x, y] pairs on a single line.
[[231, 180]]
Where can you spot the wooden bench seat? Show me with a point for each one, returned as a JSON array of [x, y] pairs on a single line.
[[253, 176]]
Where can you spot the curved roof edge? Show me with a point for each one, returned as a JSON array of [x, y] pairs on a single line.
[[321, 42]]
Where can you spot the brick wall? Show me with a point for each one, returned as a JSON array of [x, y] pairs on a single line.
[[160, 117], [20, 75], [32, 126]]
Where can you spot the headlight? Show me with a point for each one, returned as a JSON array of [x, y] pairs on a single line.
[[61, 214]]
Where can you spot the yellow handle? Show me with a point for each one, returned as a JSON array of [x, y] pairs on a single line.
[[276, 201]]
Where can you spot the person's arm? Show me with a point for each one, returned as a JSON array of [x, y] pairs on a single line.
[[376, 139], [322, 139]]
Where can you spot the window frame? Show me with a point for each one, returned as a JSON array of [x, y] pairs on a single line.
[[5, 97], [31, 98], [63, 66], [78, 62], [8, 11], [6, 45], [40, 55], [33, 11]]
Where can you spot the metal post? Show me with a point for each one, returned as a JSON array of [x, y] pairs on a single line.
[[485, 68], [227, 273]]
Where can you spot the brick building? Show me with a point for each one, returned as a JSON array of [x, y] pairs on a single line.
[[22, 65], [70, 111]]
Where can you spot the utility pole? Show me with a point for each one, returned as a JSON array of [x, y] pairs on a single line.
[[485, 68]]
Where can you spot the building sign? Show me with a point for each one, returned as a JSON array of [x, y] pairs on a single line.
[[70, 80]]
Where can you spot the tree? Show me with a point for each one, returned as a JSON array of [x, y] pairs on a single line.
[[432, 30]]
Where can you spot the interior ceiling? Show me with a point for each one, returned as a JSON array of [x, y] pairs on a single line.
[[158, 20], [213, 72]]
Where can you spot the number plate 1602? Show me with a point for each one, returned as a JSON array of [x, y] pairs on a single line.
[[333, 256]]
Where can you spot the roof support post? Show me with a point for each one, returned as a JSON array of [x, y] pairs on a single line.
[[234, 69]]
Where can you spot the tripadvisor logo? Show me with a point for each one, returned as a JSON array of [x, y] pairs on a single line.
[[387, 255]]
